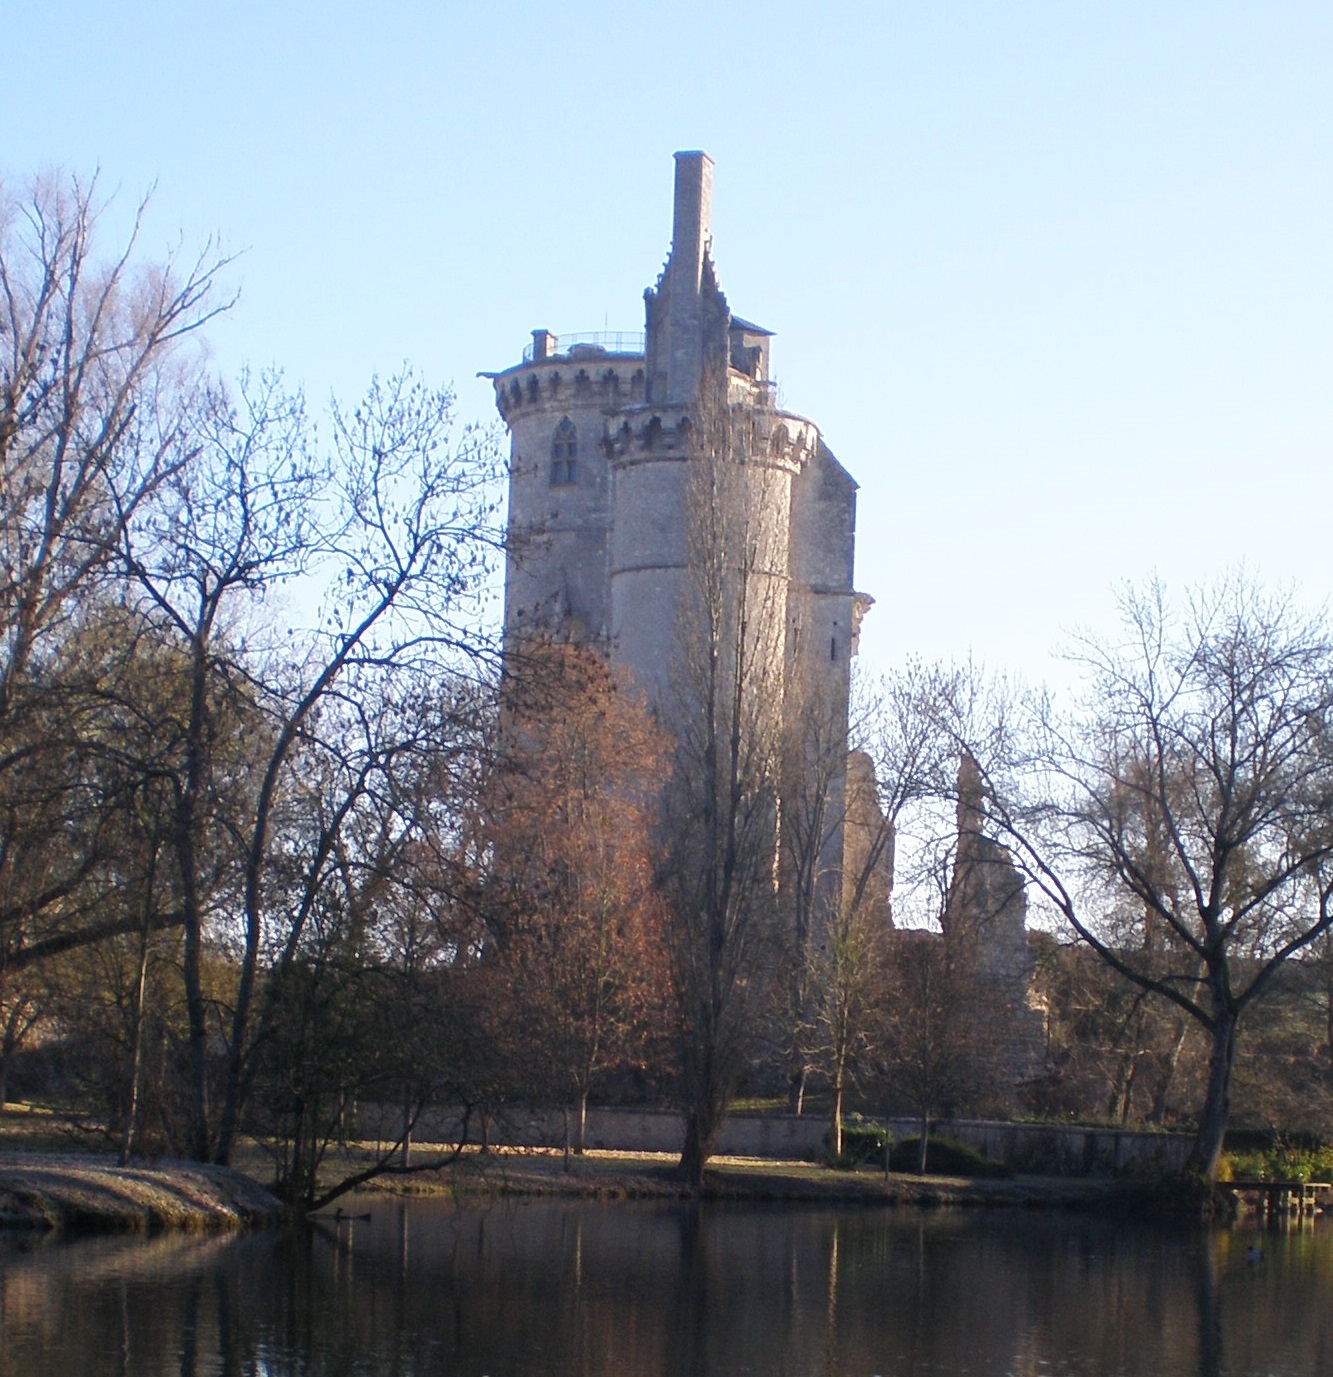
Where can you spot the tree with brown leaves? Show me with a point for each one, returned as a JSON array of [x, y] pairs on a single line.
[[578, 979]]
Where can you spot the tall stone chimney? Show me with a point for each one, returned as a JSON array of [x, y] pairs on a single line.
[[677, 324], [692, 221]]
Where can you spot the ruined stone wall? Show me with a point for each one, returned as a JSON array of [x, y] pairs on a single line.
[[985, 925], [868, 843]]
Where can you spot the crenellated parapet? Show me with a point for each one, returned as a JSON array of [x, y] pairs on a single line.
[[781, 439], [648, 433], [770, 439], [600, 380]]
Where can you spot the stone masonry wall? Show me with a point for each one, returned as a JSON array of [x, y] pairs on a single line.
[[1053, 1150]]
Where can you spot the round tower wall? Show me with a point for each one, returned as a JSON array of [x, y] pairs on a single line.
[[674, 516], [559, 491]]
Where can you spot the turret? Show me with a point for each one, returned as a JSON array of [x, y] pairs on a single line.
[[555, 403], [606, 433]]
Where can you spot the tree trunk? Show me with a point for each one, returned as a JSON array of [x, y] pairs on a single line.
[[9, 1045], [1131, 1082], [796, 1090], [581, 1123], [835, 1121], [706, 1108], [1327, 963], [1122, 1087], [136, 1051], [1207, 1150], [1167, 1075], [701, 1130], [184, 823], [924, 1144], [1328, 1016]]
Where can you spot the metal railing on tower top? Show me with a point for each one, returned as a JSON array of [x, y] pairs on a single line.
[[593, 342]]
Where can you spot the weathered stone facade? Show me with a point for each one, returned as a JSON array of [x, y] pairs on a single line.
[[985, 926], [608, 435], [604, 430]]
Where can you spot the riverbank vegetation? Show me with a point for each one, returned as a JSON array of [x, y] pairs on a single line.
[[85, 1194], [290, 855]]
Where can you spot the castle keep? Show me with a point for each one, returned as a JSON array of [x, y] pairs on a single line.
[[610, 438], [643, 466], [604, 431]]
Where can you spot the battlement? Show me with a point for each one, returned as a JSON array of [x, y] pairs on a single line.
[[565, 381]]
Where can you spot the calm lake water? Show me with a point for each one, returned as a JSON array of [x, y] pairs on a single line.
[[662, 1290]]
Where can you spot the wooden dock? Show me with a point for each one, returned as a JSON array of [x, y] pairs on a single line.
[[1282, 1201]]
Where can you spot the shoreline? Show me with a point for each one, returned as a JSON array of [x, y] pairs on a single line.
[[86, 1193], [41, 1191]]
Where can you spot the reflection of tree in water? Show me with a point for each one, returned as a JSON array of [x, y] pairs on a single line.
[[138, 1306], [666, 1290], [189, 1332], [693, 1288], [1210, 1309]]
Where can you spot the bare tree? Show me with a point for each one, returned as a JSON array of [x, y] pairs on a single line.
[[93, 399], [831, 825], [1116, 1050], [96, 389], [1183, 823], [352, 1006], [863, 800], [721, 811], [112, 698], [929, 1057], [398, 524], [849, 971]]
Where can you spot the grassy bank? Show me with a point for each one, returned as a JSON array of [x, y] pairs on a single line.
[[46, 1183], [638, 1175], [76, 1191]]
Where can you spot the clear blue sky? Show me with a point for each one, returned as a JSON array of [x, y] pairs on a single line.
[[1055, 279]]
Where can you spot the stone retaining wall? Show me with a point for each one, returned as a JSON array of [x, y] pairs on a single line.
[[1049, 1149]]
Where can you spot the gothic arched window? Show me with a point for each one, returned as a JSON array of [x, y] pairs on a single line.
[[564, 452]]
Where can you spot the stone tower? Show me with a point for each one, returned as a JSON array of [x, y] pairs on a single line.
[[985, 927], [609, 433]]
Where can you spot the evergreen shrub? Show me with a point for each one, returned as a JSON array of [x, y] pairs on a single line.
[[944, 1157]]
